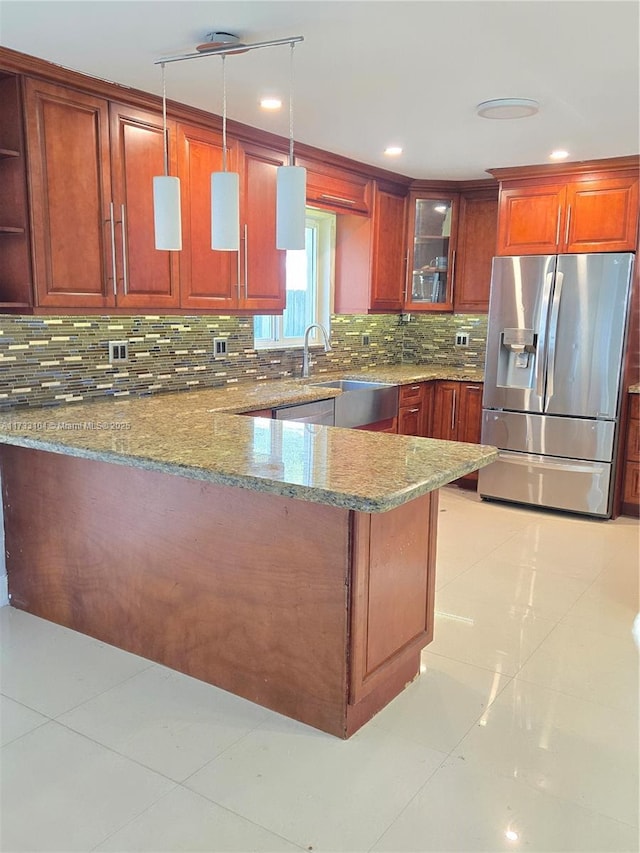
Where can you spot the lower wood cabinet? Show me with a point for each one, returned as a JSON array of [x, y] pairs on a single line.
[[631, 495], [457, 415], [415, 406]]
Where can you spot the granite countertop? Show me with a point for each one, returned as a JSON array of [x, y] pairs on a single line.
[[188, 434], [634, 389]]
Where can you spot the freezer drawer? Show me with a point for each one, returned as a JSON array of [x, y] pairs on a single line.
[[569, 484], [549, 435]]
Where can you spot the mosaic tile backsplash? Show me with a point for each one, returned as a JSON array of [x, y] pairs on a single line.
[[53, 360]]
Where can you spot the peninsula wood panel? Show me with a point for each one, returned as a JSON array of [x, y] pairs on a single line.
[[258, 594], [243, 590]]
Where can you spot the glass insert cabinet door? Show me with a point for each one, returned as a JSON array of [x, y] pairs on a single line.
[[432, 255]]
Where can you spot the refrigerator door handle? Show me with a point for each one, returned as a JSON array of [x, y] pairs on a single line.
[[541, 361], [553, 331]]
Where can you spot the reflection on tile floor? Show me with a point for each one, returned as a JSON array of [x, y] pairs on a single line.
[[520, 734]]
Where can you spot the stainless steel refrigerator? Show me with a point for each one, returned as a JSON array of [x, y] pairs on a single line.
[[551, 403]]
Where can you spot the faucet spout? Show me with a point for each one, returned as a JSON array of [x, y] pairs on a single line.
[[305, 349]]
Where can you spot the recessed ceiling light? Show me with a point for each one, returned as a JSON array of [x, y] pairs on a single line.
[[508, 108], [270, 103], [393, 150], [560, 154]]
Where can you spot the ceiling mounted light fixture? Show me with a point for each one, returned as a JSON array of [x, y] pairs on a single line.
[[166, 194], [559, 154], [502, 108], [291, 190], [393, 151], [225, 191], [225, 219], [270, 103]]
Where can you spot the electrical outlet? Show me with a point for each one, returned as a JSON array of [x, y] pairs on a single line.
[[366, 340], [219, 347], [462, 339], [118, 351]]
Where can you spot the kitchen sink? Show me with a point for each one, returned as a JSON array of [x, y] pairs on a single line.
[[351, 384], [362, 402]]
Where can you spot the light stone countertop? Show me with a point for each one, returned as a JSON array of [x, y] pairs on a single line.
[[179, 434], [634, 389]]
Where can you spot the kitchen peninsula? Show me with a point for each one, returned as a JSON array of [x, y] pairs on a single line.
[[291, 564]]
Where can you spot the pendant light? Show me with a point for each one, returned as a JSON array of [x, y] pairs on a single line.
[[225, 192], [291, 189], [166, 194]]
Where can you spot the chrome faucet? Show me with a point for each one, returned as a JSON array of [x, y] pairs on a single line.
[[305, 350]]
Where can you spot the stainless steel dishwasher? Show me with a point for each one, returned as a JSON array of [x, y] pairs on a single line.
[[317, 412]]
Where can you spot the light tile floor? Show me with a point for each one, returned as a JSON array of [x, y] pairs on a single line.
[[520, 734]]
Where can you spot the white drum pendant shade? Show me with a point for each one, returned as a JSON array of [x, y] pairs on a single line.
[[225, 211], [166, 213], [290, 207]]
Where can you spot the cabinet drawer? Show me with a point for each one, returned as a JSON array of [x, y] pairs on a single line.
[[410, 394]]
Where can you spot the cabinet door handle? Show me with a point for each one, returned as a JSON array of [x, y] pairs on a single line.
[[472, 387], [415, 387], [453, 265], [238, 273], [558, 224], [246, 262], [566, 231], [413, 411], [453, 412], [329, 197], [112, 228], [125, 279], [406, 277]]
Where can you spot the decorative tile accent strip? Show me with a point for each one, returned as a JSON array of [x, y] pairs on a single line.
[[47, 360]]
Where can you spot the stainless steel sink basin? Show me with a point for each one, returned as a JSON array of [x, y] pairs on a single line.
[[351, 384], [362, 402]]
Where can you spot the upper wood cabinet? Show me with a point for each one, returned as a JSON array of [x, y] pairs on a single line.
[[588, 214], [262, 266], [208, 279], [146, 277], [73, 220], [336, 189], [15, 260], [477, 231], [370, 255], [433, 222]]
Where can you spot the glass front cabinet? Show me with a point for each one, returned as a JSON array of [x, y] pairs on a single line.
[[432, 252]]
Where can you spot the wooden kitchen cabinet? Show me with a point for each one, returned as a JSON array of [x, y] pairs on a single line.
[[432, 252], [414, 409], [336, 189], [457, 415], [147, 277], [208, 279], [631, 494], [589, 214], [370, 255], [476, 246], [70, 182], [262, 266], [15, 260]]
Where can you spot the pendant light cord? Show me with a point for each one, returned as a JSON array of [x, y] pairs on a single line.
[[224, 113], [291, 105], [164, 123]]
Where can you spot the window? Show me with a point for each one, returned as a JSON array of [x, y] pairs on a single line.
[[309, 288]]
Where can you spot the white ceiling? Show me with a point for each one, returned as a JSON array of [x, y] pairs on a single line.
[[375, 72]]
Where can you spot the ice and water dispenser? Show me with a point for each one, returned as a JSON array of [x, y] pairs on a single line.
[[517, 358]]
